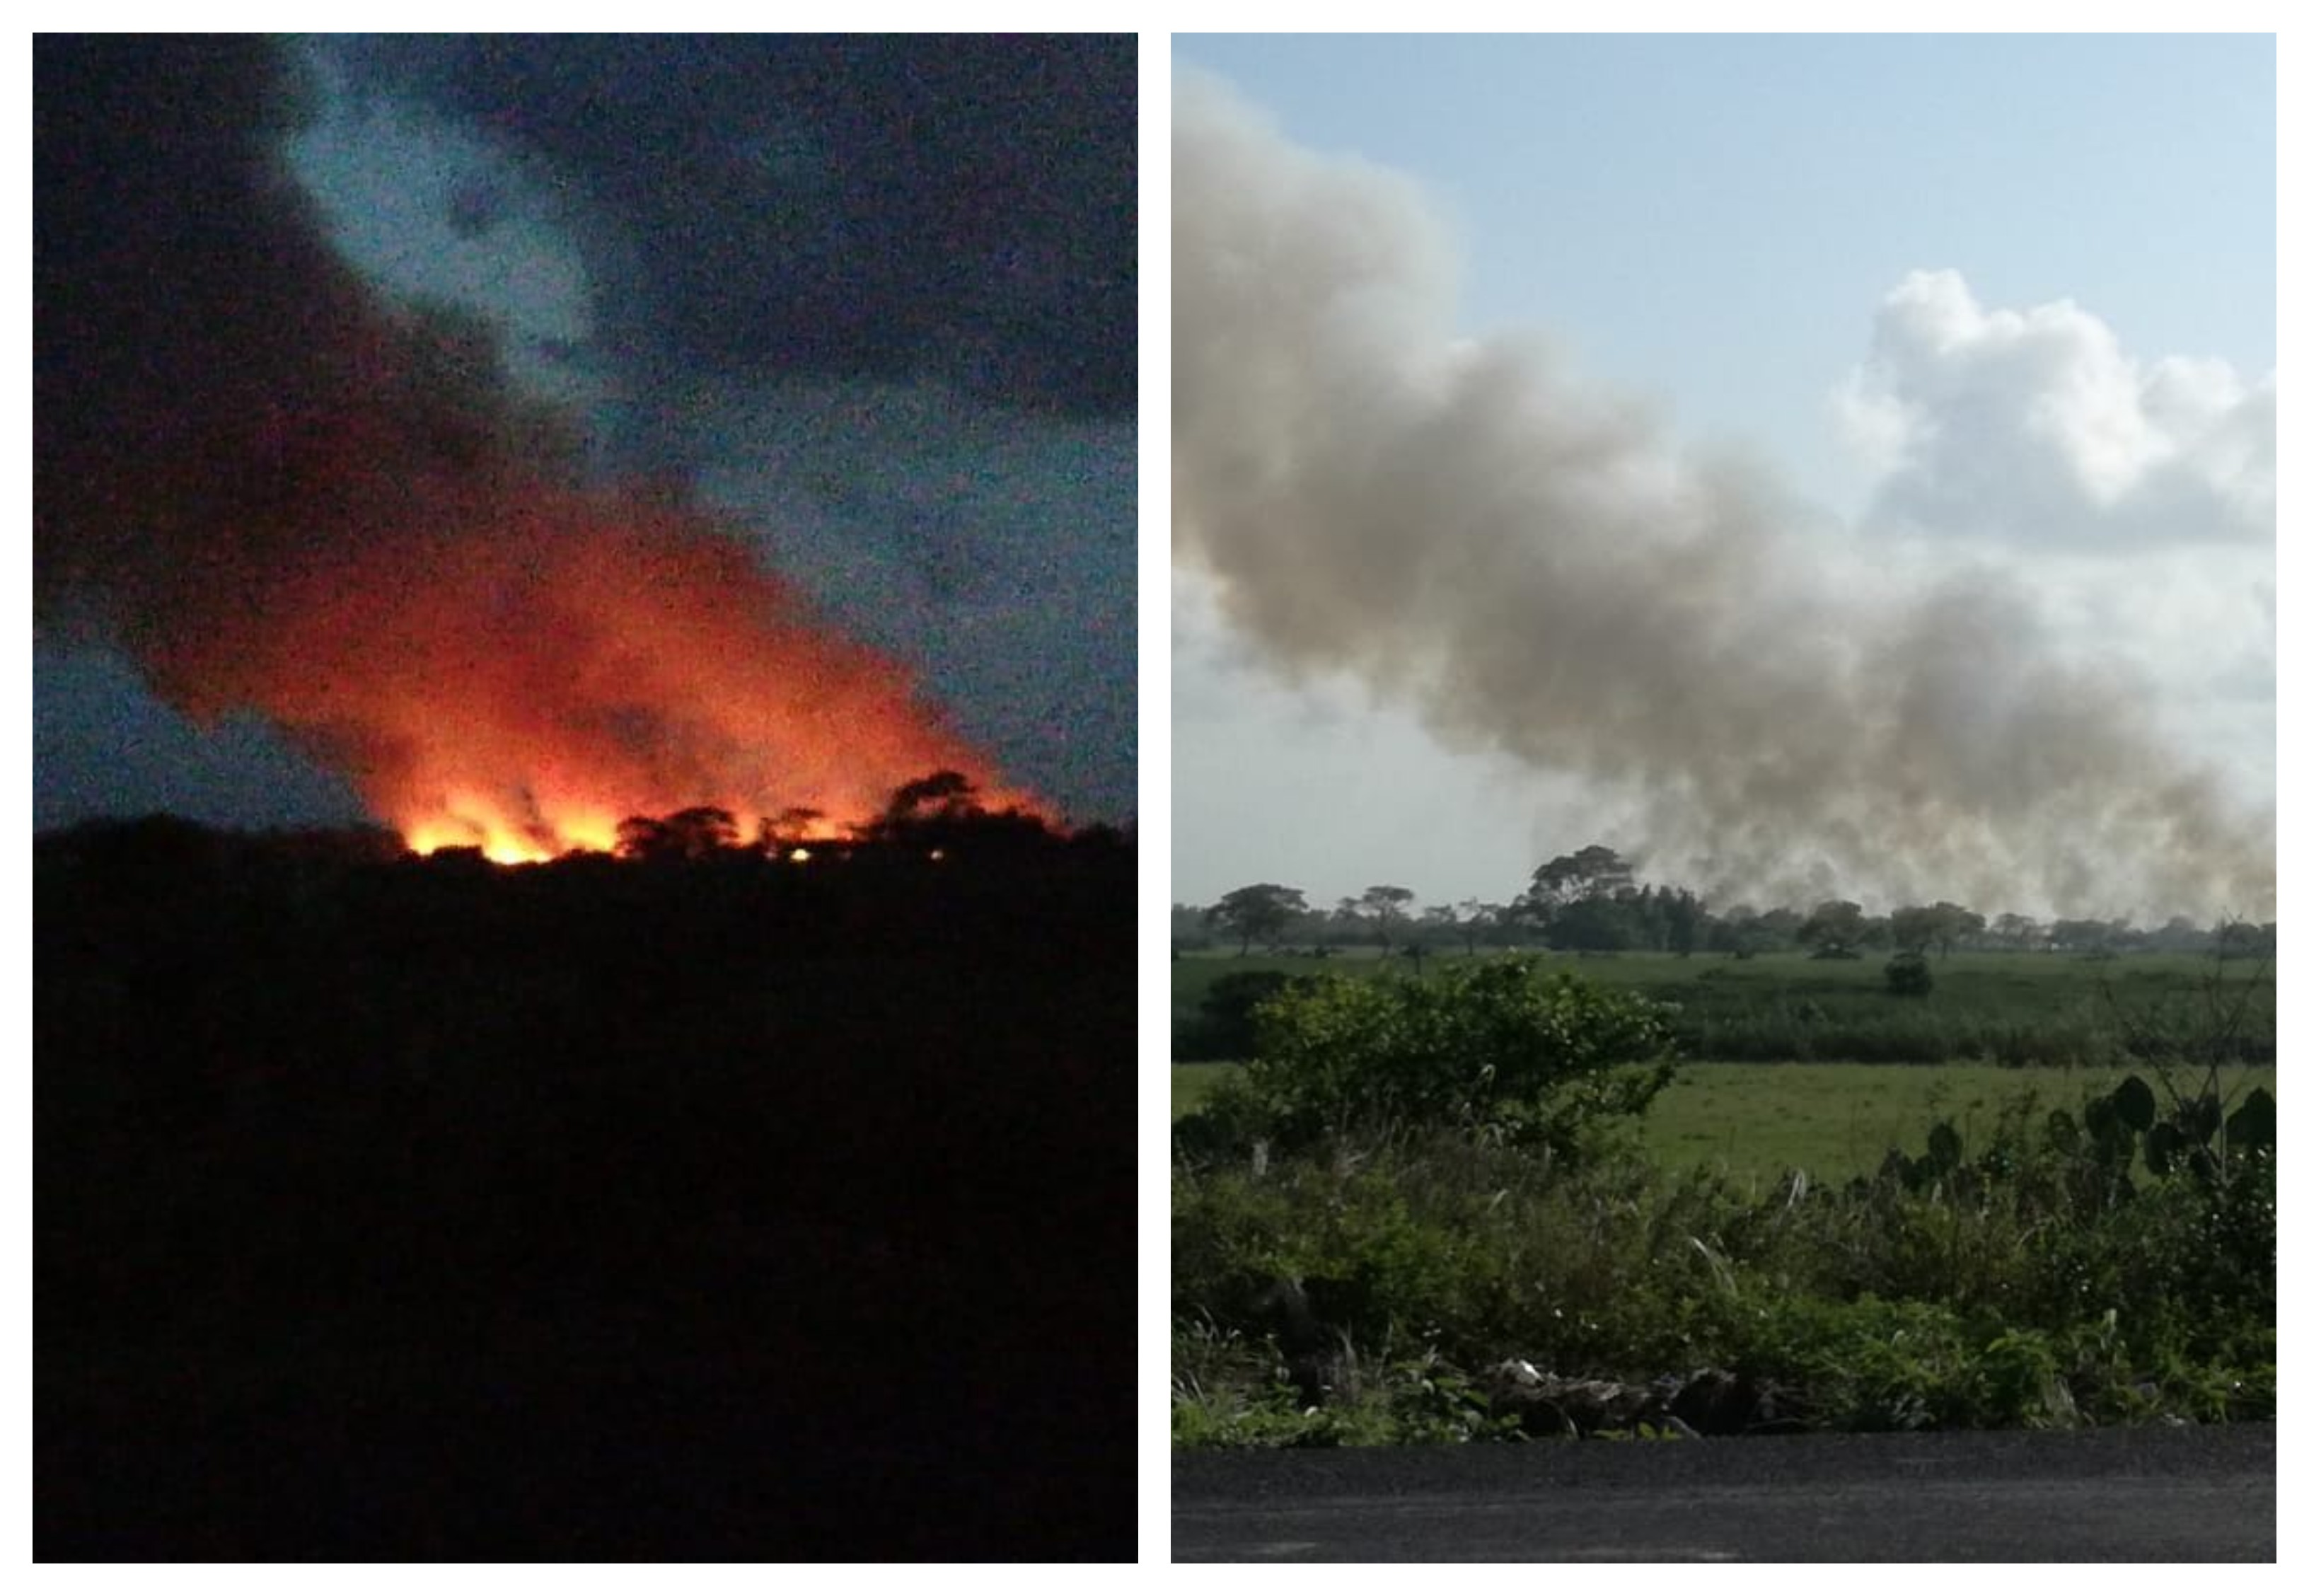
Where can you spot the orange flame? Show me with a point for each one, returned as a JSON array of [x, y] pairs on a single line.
[[519, 666]]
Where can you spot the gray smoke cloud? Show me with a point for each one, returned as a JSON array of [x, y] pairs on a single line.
[[1534, 567]]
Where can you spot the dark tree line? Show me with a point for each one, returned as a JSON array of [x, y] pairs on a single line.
[[1592, 901]]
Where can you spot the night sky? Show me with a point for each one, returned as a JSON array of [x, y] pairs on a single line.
[[870, 304]]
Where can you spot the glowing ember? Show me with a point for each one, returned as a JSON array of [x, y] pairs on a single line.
[[519, 666]]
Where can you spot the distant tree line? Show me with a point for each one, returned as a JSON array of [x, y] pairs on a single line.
[[1592, 901]]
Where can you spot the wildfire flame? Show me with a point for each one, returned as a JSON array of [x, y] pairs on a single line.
[[278, 490], [519, 665]]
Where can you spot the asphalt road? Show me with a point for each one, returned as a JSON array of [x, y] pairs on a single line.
[[2147, 1494]]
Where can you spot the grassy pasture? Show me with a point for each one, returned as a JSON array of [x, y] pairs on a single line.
[[1832, 1120], [1190, 1084], [1836, 1121], [1997, 1008]]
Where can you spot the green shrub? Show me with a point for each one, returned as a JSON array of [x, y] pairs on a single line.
[[1493, 1049], [1909, 975], [1230, 1391], [1999, 1279], [1221, 1027], [1411, 1184]]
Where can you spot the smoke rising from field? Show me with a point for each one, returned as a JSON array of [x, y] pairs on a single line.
[[1535, 568], [279, 491]]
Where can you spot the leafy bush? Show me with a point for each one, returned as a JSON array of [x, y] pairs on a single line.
[[1221, 1027], [1494, 1049], [1410, 1188], [2023, 1279], [1909, 975], [1229, 1389]]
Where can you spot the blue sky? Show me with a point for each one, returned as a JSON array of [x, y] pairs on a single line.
[[1860, 263], [1711, 221]]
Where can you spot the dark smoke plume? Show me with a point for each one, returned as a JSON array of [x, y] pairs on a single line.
[[203, 362], [1543, 575], [281, 493]]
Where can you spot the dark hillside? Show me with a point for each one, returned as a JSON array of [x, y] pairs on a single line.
[[722, 1207]]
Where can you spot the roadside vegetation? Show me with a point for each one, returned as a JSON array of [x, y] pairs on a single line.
[[1424, 1209]]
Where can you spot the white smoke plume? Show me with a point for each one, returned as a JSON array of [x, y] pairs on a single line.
[[1533, 566]]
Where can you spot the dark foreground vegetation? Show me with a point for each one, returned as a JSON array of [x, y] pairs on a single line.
[[1415, 1213], [699, 1204]]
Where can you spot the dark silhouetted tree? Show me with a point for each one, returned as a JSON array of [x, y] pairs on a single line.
[[1594, 871], [1912, 927], [1951, 924], [689, 834], [1261, 913], [1439, 922], [773, 834], [947, 795], [1386, 906], [1477, 920], [1835, 929], [2017, 931]]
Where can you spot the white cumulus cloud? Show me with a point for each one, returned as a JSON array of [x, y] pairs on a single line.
[[2037, 427]]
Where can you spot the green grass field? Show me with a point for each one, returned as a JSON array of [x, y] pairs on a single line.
[[1832, 1120], [1836, 1121], [2005, 1008], [1190, 1084]]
